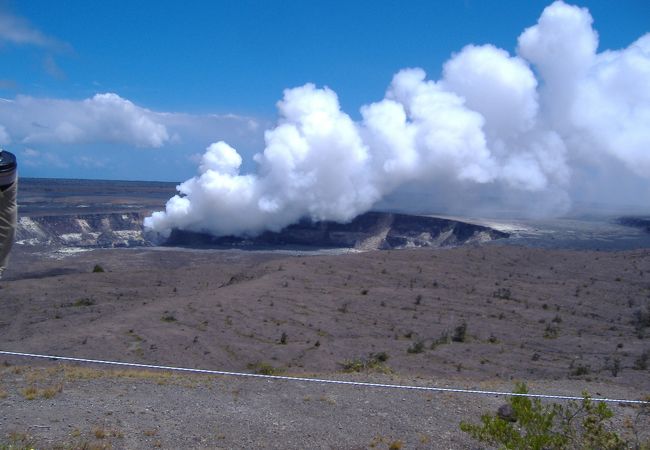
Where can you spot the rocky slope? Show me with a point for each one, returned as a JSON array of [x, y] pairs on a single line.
[[369, 231]]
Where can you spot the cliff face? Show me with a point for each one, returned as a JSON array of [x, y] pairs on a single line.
[[82, 230], [369, 231]]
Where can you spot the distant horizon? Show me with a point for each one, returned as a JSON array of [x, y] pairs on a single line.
[[97, 179], [579, 210]]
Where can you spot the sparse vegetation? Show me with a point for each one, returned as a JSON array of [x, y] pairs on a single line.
[[374, 362], [448, 325], [551, 331], [641, 363], [641, 321], [395, 445], [16, 440], [51, 391], [460, 333], [580, 370], [502, 293], [386, 442], [168, 317], [416, 347], [614, 366], [381, 356], [534, 425], [84, 302], [32, 392], [443, 339], [263, 368], [98, 269]]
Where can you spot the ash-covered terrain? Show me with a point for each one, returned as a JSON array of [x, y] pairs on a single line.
[[475, 316]]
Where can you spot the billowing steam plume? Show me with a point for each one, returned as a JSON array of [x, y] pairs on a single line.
[[490, 121]]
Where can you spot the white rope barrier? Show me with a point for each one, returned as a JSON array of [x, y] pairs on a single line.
[[317, 380]]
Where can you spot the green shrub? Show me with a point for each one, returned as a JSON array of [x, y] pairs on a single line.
[[536, 426], [551, 332], [417, 347], [460, 333], [98, 269], [580, 370], [168, 317], [502, 293], [641, 363], [641, 321], [443, 339], [84, 302], [263, 368], [374, 362], [381, 356]]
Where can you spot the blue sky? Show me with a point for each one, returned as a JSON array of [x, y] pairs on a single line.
[[191, 73]]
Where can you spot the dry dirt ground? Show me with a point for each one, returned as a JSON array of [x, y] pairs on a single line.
[[474, 317]]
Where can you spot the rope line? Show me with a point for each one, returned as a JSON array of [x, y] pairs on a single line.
[[317, 380]]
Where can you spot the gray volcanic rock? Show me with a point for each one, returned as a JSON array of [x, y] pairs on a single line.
[[369, 231], [507, 413], [82, 230]]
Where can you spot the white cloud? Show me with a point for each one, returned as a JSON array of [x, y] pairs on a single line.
[[35, 158], [612, 106], [501, 87], [102, 118], [97, 136], [52, 68], [91, 162], [4, 136], [8, 84], [19, 31], [489, 125]]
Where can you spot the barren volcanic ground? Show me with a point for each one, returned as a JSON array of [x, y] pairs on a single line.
[[475, 316]]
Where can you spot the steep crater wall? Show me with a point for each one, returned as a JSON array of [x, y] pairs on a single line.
[[83, 230], [369, 231]]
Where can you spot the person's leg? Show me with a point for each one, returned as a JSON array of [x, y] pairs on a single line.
[[8, 215]]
